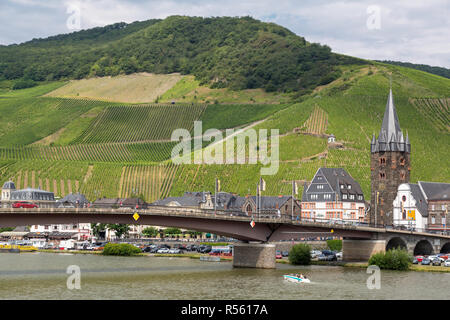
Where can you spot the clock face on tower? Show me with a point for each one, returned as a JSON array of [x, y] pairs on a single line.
[[381, 187]]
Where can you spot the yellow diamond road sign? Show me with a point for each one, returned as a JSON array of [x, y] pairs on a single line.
[[136, 216]]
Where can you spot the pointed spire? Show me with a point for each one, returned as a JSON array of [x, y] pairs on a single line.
[[390, 124], [391, 137]]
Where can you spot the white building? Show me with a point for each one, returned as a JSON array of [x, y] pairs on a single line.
[[333, 195], [80, 231], [422, 206]]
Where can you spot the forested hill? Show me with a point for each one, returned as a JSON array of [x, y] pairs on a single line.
[[238, 53]]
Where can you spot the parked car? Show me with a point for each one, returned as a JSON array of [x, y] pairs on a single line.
[[328, 253], [419, 258], [154, 250], [174, 251], [285, 253], [426, 262], [205, 249], [415, 261], [278, 255], [444, 256], [146, 249], [315, 254], [436, 261], [447, 263], [339, 255], [163, 250], [22, 204], [328, 257]]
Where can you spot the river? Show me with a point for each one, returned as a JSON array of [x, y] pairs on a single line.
[[43, 276]]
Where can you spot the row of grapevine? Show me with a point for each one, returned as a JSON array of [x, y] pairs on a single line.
[[435, 110], [58, 177], [108, 152], [140, 123], [317, 122], [152, 182]]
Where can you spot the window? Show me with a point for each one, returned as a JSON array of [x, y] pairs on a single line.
[[402, 161], [382, 175], [344, 196], [360, 197], [349, 187], [327, 196], [382, 161], [352, 197], [314, 196], [402, 175], [404, 215], [404, 198], [432, 207], [433, 220], [443, 207], [320, 186], [342, 186], [353, 206]]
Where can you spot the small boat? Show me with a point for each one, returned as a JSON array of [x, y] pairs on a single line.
[[292, 278]]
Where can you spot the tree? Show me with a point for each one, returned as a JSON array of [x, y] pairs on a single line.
[[98, 229], [150, 232], [300, 254], [119, 229], [172, 231]]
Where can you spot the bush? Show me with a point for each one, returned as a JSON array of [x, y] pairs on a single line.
[[394, 259], [23, 84], [334, 245], [120, 249], [300, 254]]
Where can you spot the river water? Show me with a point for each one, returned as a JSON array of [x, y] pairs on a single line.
[[43, 276]]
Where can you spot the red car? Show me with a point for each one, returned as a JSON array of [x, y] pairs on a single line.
[[278, 255], [419, 258], [24, 205]]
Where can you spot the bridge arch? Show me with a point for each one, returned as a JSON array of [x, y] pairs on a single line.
[[423, 247], [446, 248], [395, 243]]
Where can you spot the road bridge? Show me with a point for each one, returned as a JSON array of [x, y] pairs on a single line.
[[256, 250]]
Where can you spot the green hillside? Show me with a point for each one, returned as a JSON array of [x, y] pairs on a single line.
[[117, 149], [108, 149]]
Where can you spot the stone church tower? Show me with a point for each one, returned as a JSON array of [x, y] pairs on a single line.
[[390, 166]]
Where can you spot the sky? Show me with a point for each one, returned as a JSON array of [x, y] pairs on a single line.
[[416, 31]]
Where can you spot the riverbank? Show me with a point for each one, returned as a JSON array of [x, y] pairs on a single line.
[[418, 268]]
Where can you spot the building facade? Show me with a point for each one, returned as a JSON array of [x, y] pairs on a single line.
[[333, 195], [422, 206], [42, 198], [390, 166], [410, 208]]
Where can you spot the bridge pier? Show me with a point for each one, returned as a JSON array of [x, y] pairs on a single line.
[[361, 250], [254, 255]]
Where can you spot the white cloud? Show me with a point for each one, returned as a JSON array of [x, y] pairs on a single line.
[[411, 30]]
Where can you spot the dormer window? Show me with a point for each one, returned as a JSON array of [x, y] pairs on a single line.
[[342, 186], [344, 197], [349, 186]]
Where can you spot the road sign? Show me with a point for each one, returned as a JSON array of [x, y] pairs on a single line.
[[136, 216], [252, 223]]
